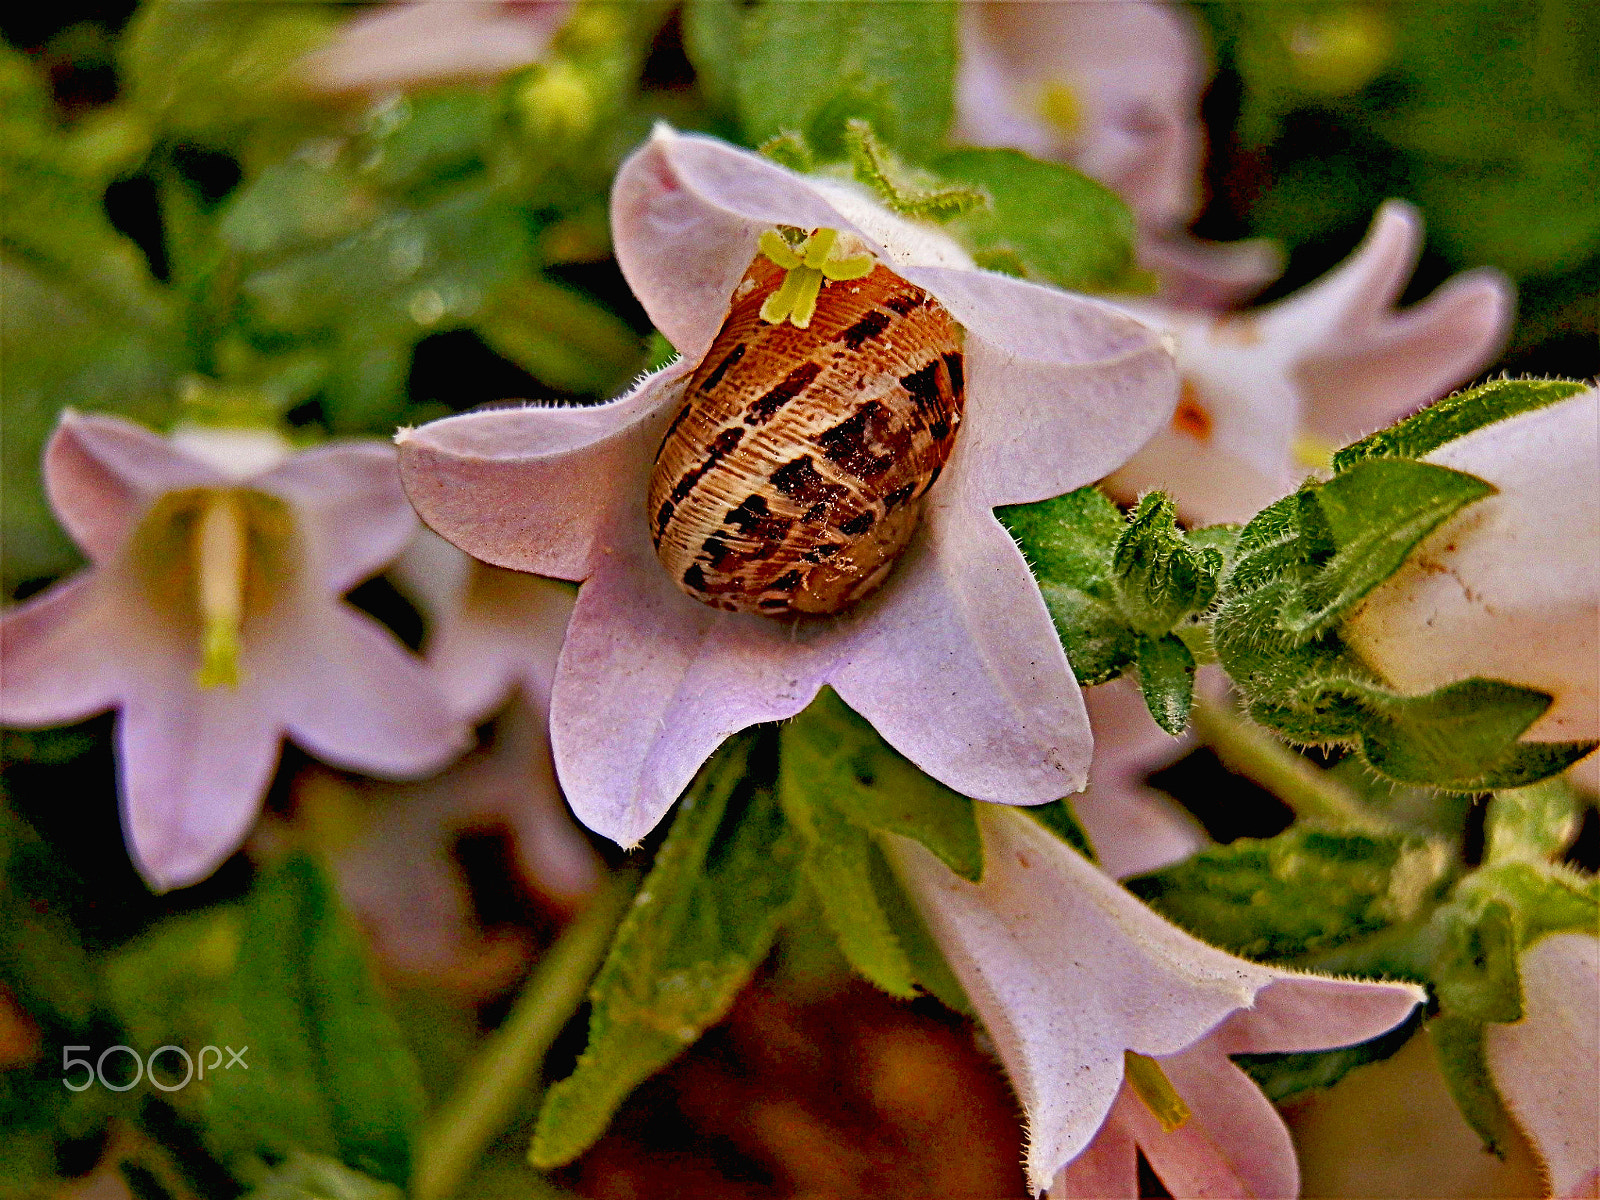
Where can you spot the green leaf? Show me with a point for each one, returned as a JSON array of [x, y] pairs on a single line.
[[832, 755], [711, 41], [927, 962], [1458, 1045], [1284, 1076], [327, 1071], [1463, 737], [1535, 823], [813, 67], [701, 924], [1305, 891], [1166, 676], [841, 862], [1045, 221], [1375, 513], [1068, 543], [1456, 416]]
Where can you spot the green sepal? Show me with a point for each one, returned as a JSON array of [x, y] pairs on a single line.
[[928, 965], [328, 1071], [1046, 222], [1456, 416], [1068, 543], [875, 166], [700, 925], [1535, 823], [1306, 891], [1166, 676], [1475, 973], [830, 753], [1459, 1049], [1541, 898], [1160, 577]]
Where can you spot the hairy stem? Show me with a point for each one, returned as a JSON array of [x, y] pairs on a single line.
[[508, 1065]]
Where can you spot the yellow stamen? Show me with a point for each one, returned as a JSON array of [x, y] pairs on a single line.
[[219, 550], [1310, 451], [1060, 106], [817, 260], [1156, 1090]]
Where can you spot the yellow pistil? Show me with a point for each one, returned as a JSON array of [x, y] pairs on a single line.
[[806, 267], [1060, 107], [1156, 1090], [219, 551]]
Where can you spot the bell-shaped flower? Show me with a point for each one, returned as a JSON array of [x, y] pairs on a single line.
[[1544, 1065], [210, 618], [1115, 1026], [1509, 587], [425, 43], [1268, 394], [1113, 89], [954, 658]]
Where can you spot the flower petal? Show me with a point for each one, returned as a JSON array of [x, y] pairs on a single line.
[[352, 695], [56, 665], [1544, 1065], [1308, 1012], [1109, 1168], [1210, 275], [1055, 371], [650, 682], [349, 504], [530, 488], [1363, 364], [1234, 1143], [1067, 971], [102, 473], [956, 663], [193, 765], [429, 42]]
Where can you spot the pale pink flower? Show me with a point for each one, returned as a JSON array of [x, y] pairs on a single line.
[[1509, 587], [1545, 1065], [1268, 394], [1114, 90], [954, 660], [210, 618], [1069, 972], [423, 43]]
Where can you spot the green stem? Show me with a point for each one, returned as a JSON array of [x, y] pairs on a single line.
[[508, 1065], [1248, 750]]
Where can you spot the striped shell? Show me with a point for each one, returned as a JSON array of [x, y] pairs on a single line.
[[793, 473]]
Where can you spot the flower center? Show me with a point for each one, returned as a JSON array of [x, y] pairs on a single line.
[[1060, 107], [1152, 1086]]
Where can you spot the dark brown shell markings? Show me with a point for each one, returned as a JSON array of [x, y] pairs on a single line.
[[792, 475]]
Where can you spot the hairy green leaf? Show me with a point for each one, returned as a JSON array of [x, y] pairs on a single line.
[[1535, 823], [1458, 1045], [700, 925], [1160, 577], [832, 755]]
